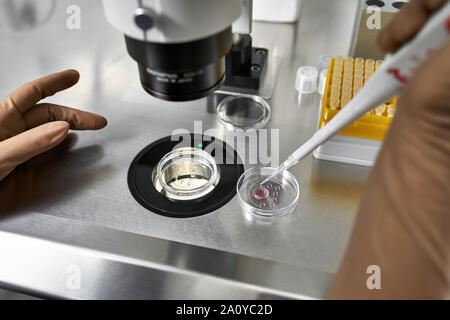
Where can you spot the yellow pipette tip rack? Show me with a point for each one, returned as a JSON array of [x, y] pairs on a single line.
[[346, 76]]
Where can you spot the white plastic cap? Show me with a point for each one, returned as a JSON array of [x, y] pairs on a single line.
[[322, 82], [306, 81], [324, 62]]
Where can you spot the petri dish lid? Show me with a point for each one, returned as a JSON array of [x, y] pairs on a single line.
[[273, 199], [186, 174], [243, 111]]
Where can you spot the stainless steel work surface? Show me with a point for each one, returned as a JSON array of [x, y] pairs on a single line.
[[78, 198]]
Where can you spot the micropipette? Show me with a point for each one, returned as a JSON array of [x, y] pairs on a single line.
[[386, 83]]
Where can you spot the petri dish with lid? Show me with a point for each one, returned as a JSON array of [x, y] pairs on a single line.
[[275, 198], [243, 111], [186, 174]]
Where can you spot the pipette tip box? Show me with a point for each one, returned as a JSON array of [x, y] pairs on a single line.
[[359, 142]]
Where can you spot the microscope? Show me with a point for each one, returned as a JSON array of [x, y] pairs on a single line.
[[186, 49]]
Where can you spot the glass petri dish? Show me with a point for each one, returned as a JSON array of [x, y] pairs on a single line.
[[186, 174], [243, 111], [273, 199]]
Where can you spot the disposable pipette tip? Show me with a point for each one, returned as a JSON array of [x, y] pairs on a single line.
[[280, 169]]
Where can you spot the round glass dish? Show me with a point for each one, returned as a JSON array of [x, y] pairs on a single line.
[[275, 198], [243, 111], [186, 174]]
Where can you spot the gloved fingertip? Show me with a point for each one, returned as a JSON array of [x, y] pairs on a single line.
[[59, 125], [101, 122], [73, 74], [57, 131], [96, 122]]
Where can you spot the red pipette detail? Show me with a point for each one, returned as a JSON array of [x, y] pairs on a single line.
[[397, 75]]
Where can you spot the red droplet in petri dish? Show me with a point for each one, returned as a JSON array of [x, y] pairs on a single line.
[[260, 194]]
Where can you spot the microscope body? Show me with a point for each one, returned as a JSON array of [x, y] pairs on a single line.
[[179, 45]]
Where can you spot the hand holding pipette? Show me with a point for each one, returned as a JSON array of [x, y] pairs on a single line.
[[403, 220], [385, 84]]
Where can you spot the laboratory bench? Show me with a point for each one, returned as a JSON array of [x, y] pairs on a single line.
[[72, 229]]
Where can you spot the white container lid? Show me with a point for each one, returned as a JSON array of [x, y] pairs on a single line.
[[323, 62], [306, 81]]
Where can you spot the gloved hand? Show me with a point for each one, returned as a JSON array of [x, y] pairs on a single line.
[[403, 222], [429, 91], [28, 128]]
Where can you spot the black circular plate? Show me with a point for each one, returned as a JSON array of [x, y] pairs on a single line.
[[142, 188]]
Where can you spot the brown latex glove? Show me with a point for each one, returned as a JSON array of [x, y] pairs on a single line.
[[403, 222], [29, 128]]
